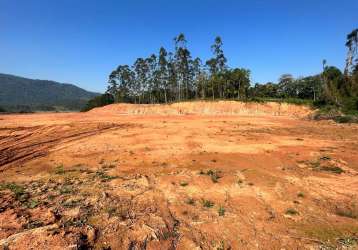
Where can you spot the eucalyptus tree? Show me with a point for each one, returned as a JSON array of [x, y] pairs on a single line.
[[352, 45], [163, 73], [112, 83], [182, 63], [172, 77], [125, 78], [217, 66], [239, 82], [141, 72], [196, 71], [153, 83]]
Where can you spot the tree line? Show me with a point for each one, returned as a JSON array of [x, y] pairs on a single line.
[[177, 76]]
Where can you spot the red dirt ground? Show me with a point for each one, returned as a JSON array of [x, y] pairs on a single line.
[[222, 175]]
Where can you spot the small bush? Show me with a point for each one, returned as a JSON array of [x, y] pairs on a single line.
[[344, 119]]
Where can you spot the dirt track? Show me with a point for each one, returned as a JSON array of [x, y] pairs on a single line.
[[179, 179]]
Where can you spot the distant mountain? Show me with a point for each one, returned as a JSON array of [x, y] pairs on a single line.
[[18, 94]]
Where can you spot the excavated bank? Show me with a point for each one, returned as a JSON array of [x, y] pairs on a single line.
[[208, 108]]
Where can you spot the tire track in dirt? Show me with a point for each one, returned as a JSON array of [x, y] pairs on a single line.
[[21, 145]]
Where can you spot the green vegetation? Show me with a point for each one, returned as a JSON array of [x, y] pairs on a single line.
[[333, 169], [214, 175], [17, 190], [18, 94], [104, 176], [300, 195], [59, 170], [190, 201], [221, 211], [349, 211], [184, 184], [207, 203], [99, 101], [291, 211], [177, 76]]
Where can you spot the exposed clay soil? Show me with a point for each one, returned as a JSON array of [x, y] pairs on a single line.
[[223, 175]]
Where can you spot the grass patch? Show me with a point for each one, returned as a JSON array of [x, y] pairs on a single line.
[[33, 203], [190, 201], [301, 195], [221, 211], [332, 169], [291, 211], [104, 176], [207, 203], [184, 184], [59, 170], [66, 190], [214, 175], [17, 190], [349, 212]]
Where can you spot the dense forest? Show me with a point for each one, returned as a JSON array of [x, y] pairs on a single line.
[[177, 76]]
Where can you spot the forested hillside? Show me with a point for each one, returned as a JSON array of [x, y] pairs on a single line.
[[18, 94]]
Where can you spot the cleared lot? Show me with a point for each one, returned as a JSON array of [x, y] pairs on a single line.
[[184, 176]]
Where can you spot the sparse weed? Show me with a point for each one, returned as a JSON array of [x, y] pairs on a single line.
[[66, 190], [349, 212], [301, 195], [207, 203], [108, 166], [332, 169], [291, 211], [104, 176], [32, 203], [184, 184], [17, 190], [190, 201], [212, 173], [221, 211], [59, 170]]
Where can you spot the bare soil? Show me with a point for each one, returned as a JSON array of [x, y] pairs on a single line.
[[222, 175]]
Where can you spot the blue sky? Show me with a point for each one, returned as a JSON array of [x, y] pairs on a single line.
[[80, 42]]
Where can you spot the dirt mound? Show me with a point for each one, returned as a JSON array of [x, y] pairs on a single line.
[[208, 108]]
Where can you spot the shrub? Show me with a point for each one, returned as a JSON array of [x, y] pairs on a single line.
[[99, 101]]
